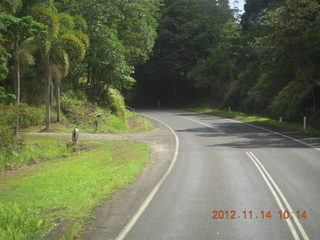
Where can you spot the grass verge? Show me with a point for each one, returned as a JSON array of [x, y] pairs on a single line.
[[34, 149], [68, 188], [107, 123], [256, 119]]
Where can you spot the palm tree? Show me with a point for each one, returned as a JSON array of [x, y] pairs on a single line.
[[59, 46], [70, 45]]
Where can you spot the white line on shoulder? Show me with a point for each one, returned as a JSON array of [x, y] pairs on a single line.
[[268, 130], [151, 195]]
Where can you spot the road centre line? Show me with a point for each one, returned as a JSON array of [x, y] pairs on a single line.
[[201, 124], [276, 192], [151, 195]]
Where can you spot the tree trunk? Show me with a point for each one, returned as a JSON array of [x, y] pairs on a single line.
[[48, 95], [58, 103], [18, 81], [17, 92]]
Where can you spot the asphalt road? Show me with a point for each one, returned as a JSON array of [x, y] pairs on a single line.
[[237, 170]]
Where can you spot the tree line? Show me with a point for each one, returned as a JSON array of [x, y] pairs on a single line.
[[265, 61], [89, 46]]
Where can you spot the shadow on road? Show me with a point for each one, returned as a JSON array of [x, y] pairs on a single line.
[[238, 135]]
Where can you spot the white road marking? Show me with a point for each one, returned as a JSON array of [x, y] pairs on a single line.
[[201, 124], [268, 130], [151, 195], [273, 186]]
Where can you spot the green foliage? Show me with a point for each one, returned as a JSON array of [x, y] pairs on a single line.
[[73, 45], [267, 64], [48, 17], [66, 22], [10, 6], [76, 110], [291, 100], [8, 146], [5, 97], [17, 155], [28, 115], [80, 23], [3, 63], [188, 30], [116, 102], [19, 223]]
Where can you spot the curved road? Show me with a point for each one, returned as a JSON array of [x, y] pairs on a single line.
[[239, 170]]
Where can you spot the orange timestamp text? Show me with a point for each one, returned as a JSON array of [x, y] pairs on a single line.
[[282, 214]]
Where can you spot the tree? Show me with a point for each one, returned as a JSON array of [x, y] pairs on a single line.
[[70, 44], [59, 45], [122, 34], [18, 33], [188, 30]]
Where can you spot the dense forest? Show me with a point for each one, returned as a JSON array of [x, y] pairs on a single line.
[[180, 52], [88, 48], [265, 61]]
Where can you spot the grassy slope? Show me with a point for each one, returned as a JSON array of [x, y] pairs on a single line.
[[258, 119], [69, 187], [107, 124]]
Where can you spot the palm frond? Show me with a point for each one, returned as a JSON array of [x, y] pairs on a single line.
[[83, 37], [66, 65], [73, 45], [61, 58], [10, 6], [48, 17], [31, 43], [80, 24]]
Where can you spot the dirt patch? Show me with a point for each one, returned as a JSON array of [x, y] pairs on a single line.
[[134, 123], [81, 147]]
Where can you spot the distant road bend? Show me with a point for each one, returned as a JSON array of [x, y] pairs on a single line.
[[230, 180]]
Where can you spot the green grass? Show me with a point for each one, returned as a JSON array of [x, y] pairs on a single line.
[[70, 187], [256, 119], [35, 149], [108, 123], [18, 223]]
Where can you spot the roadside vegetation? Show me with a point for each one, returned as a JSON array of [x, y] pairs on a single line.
[[262, 62], [313, 130], [64, 184]]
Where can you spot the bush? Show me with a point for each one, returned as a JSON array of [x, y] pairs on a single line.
[[28, 115], [116, 103], [8, 145], [18, 223], [76, 110], [292, 101]]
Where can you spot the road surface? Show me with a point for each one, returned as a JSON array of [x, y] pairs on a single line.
[[237, 170]]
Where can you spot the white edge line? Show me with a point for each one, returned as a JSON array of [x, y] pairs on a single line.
[[275, 195], [151, 195], [201, 124], [296, 220], [268, 130]]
